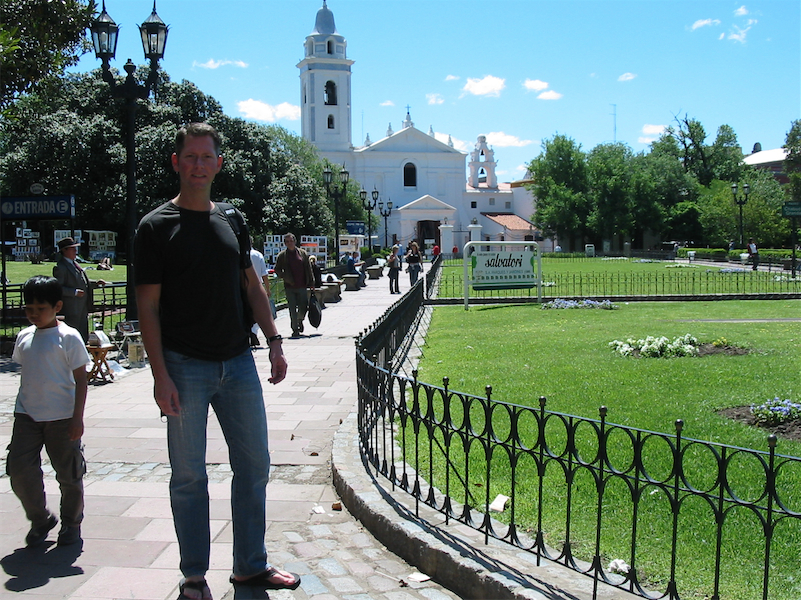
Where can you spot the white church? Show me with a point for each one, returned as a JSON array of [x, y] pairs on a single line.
[[433, 201]]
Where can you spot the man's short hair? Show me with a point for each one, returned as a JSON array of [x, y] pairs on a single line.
[[197, 130], [41, 288], [291, 235]]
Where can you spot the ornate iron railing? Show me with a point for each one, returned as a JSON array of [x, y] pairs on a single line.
[[457, 452]]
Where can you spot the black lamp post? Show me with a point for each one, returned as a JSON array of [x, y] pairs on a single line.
[[369, 206], [740, 201], [337, 193], [104, 38], [385, 215]]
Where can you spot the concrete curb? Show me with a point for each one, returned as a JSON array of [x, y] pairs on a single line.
[[453, 555]]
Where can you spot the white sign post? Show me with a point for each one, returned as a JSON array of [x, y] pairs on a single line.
[[510, 265]]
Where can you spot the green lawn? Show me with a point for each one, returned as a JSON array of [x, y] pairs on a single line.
[[19, 272], [525, 352]]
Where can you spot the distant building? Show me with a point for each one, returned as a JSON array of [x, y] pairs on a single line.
[[436, 199], [769, 160]]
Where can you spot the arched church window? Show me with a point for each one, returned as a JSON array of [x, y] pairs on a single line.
[[482, 176], [482, 157], [330, 93], [330, 121], [409, 175], [330, 46]]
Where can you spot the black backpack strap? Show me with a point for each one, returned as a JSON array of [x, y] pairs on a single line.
[[237, 223]]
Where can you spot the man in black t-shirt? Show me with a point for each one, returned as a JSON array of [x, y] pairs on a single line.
[[189, 269]]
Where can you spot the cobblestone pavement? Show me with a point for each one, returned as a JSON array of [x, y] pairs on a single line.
[[129, 548]]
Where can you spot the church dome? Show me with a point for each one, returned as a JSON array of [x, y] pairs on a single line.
[[324, 24]]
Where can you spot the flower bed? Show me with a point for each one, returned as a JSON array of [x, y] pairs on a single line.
[[560, 303]]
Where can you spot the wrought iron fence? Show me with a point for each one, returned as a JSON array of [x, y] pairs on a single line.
[[672, 283], [571, 481]]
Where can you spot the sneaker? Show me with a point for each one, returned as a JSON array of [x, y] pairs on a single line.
[[37, 535], [69, 535]]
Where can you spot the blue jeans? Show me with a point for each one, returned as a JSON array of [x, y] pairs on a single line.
[[233, 390]]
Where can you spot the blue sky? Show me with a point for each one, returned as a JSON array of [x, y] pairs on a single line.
[[517, 71]]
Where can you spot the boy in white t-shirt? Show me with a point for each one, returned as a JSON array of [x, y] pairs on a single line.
[[48, 413]]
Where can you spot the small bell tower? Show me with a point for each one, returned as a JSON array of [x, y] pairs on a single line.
[[482, 165]]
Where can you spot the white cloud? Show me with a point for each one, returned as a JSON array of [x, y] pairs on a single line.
[[722, 36], [549, 95], [739, 34], [261, 111], [535, 85], [216, 64], [488, 86], [704, 23], [435, 99], [740, 12], [504, 140], [452, 78], [645, 140], [626, 77], [387, 103], [653, 129], [457, 143]]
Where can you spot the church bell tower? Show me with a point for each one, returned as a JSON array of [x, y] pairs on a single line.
[[325, 85]]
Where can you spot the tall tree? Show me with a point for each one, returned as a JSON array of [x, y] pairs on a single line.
[[609, 169], [39, 38], [67, 136], [792, 162], [560, 188]]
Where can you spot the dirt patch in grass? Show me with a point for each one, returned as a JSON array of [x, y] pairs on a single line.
[[790, 430], [706, 349]]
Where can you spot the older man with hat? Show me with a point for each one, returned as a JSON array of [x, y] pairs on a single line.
[[75, 285]]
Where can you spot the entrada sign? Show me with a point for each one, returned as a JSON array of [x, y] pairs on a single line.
[[37, 207]]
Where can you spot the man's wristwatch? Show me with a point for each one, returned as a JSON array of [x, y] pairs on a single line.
[[275, 338]]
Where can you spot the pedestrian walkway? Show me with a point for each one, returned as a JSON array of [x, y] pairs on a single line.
[[130, 550]]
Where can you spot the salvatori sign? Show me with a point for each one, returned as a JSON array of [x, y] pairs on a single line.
[[37, 207], [504, 270]]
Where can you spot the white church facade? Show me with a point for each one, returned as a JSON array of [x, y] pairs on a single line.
[[435, 199]]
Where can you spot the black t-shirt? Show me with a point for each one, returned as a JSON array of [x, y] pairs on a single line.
[[194, 256]]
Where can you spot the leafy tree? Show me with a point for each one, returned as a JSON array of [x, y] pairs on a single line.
[[39, 39], [720, 160], [67, 135], [561, 189], [792, 162], [609, 174]]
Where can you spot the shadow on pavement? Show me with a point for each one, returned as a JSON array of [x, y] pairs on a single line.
[[34, 568]]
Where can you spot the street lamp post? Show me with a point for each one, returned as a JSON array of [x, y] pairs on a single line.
[[740, 201], [337, 193], [386, 216], [369, 206], [104, 38]]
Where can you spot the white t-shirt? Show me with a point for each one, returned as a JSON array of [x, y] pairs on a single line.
[[257, 259], [48, 357]]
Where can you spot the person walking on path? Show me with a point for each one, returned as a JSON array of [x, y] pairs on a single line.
[[257, 259], [76, 287], [48, 413], [753, 254], [293, 266], [194, 329], [394, 264], [415, 263]]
